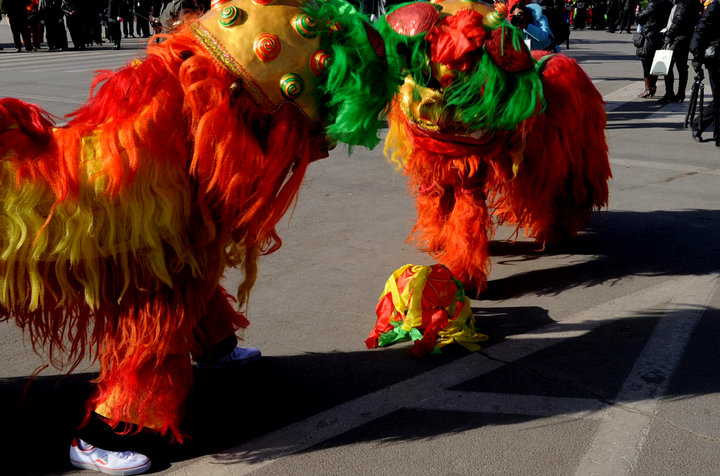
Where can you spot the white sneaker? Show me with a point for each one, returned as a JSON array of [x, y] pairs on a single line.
[[87, 456], [239, 356]]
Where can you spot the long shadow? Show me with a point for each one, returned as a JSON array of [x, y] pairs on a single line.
[[658, 243], [631, 115], [229, 407], [598, 58], [560, 370]]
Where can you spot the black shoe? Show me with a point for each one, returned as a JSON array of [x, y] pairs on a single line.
[[697, 136], [679, 97], [666, 98]]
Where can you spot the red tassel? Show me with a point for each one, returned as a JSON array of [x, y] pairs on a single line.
[[384, 310], [456, 40], [437, 320]]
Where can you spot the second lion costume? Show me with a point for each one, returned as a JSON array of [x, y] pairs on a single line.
[[488, 133]]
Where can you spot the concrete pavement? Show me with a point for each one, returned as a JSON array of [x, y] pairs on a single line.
[[602, 359]]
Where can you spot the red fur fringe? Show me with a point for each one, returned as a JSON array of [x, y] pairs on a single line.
[[561, 179], [453, 222], [564, 174], [245, 166]]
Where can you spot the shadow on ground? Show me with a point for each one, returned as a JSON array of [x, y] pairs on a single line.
[[593, 366], [229, 407], [632, 114], [616, 245]]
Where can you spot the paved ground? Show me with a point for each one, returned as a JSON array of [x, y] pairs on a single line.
[[602, 359]]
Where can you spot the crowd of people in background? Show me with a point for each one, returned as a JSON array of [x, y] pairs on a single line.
[[684, 26], [85, 23]]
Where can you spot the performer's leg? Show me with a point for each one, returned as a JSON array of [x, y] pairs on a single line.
[[433, 204], [465, 233], [215, 333], [137, 403]]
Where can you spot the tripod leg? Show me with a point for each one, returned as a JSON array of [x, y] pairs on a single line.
[[692, 104], [701, 107]]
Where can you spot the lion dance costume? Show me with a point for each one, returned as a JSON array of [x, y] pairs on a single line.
[[488, 132], [116, 229], [427, 305]]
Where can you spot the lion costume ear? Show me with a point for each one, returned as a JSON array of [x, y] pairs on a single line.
[[356, 86]]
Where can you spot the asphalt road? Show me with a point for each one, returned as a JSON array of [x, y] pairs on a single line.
[[602, 359]]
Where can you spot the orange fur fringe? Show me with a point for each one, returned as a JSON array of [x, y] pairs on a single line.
[[464, 188], [237, 170]]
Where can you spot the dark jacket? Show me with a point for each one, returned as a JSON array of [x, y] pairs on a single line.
[[14, 7], [687, 14], [652, 19], [707, 31], [116, 9]]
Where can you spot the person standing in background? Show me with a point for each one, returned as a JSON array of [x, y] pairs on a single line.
[[707, 33], [75, 24], [114, 14], [16, 11], [613, 15], [51, 13], [599, 10], [652, 19], [95, 21], [128, 19], [142, 17], [627, 16], [533, 23], [685, 15], [580, 14], [35, 24]]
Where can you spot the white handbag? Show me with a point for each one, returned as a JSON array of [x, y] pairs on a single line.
[[661, 62]]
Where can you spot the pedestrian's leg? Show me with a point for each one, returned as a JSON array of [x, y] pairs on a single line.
[[681, 63], [15, 29], [669, 95], [652, 85], [714, 106], [26, 35], [115, 34]]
